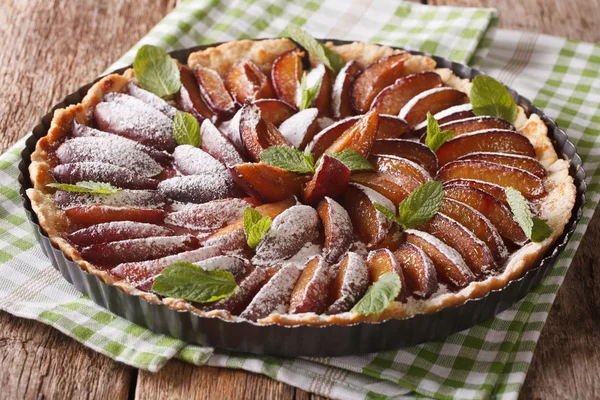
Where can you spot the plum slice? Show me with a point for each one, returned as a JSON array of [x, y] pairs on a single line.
[[141, 249], [409, 149], [289, 232], [375, 78], [238, 266], [99, 213], [350, 283], [300, 128], [127, 116], [246, 82], [330, 179], [528, 164], [102, 172], [309, 294], [215, 143], [432, 100], [360, 137], [267, 183], [391, 99], [139, 198], [398, 165], [209, 216], [478, 224], [383, 261], [449, 265], [257, 133], [79, 130], [199, 188], [341, 103], [116, 231], [339, 233], [151, 99], [212, 90], [453, 113], [286, 73], [498, 214], [140, 271], [370, 225], [396, 187], [274, 110], [474, 252], [247, 290], [496, 141], [189, 97], [418, 269], [190, 160], [474, 124], [491, 188], [274, 296], [105, 150], [391, 127], [528, 184]]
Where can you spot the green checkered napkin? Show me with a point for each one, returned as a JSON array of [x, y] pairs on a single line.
[[490, 359]]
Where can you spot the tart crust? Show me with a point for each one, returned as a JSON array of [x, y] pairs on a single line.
[[555, 208]]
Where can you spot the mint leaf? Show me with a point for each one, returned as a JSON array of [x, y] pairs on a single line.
[[86, 187], [255, 226], [186, 129], [490, 97], [319, 51], [288, 158], [421, 205], [535, 228], [434, 138], [156, 71], [385, 211], [309, 90], [540, 230], [353, 160], [379, 295], [190, 282]]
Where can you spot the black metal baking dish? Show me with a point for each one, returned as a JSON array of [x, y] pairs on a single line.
[[334, 340]]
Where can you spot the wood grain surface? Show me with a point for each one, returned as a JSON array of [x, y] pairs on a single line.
[[49, 48]]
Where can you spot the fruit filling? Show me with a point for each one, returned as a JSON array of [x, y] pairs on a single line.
[[310, 189]]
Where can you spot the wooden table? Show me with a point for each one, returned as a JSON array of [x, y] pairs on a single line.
[[49, 48]]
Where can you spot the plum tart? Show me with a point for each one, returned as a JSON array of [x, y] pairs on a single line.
[[316, 184]]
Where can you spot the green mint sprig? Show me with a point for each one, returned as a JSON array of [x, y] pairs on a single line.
[[156, 71], [436, 138], [255, 226], [308, 93], [294, 160], [419, 207], [86, 187], [379, 295], [490, 97], [319, 51], [186, 129], [191, 282], [353, 160], [535, 228]]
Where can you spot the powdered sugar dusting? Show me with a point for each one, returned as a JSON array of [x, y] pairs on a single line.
[[295, 128], [274, 297], [102, 172], [218, 146], [208, 216], [152, 99], [198, 188], [338, 241], [235, 265], [355, 283], [446, 113], [114, 231], [140, 198], [105, 150], [412, 102], [190, 160], [289, 232], [127, 116]]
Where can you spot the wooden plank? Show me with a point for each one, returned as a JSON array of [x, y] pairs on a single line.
[[179, 380], [40, 362], [575, 19]]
